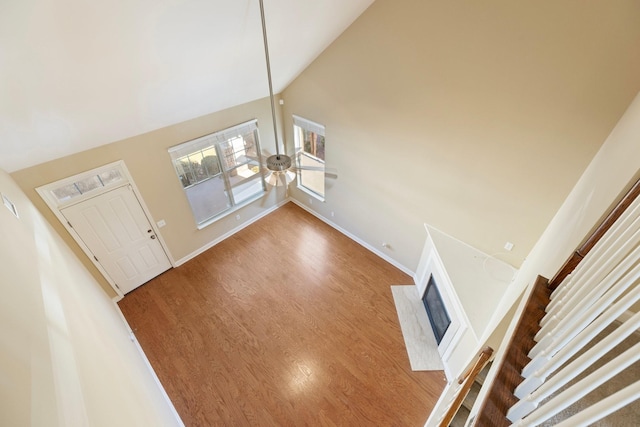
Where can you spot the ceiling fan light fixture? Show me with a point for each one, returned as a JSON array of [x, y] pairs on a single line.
[[271, 178], [274, 178], [279, 162], [290, 176]]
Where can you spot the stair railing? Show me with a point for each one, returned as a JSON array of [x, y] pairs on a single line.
[[562, 319], [464, 384], [600, 290]]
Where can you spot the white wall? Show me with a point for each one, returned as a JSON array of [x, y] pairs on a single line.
[[66, 358]]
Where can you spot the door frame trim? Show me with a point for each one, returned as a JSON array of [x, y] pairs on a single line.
[[45, 192]]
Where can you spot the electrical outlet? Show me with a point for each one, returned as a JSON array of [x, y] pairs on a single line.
[[310, 201], [332, 214], [237, 217], [508, 246]]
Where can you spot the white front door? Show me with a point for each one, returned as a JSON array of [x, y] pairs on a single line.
[[119, 235]]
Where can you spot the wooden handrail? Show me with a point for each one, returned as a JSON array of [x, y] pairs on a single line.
[[467, 379], [575, 258], [486, 351]]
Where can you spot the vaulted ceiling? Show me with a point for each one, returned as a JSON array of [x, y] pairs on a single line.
[[76, 74]]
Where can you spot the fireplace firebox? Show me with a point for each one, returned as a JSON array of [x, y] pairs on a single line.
[[436, 310]]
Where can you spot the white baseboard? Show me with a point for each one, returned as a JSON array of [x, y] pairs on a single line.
[[355, 239], [306, 208], [148, 364], [228, 234]]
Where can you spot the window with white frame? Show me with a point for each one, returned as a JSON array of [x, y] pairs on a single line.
[[84, 185], [310, 146], [220, 172]]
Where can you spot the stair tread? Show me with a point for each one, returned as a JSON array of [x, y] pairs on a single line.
[[482, 375], [461, 418], [471, 397]]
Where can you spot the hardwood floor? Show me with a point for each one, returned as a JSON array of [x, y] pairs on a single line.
[[286, 323]]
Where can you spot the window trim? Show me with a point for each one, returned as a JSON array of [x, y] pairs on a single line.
[[319, 129], [47, 191], [214, 140]]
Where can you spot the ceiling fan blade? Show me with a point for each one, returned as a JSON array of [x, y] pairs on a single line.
[[331, 175], [309, 168], [266, 195], [283, 179], [328, 172], [295, 154]]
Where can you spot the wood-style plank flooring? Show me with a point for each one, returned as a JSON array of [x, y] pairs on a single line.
[[286, 323]]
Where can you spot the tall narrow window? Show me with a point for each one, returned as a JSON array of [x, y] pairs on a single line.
[[310, 145], [220, 171]]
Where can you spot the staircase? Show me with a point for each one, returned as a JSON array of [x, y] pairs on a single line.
[[463, 413], [573, 358]]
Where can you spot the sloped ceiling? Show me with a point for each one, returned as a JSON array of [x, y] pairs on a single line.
[[78, 74]]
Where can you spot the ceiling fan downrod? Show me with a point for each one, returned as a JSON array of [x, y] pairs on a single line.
[[278, 162]]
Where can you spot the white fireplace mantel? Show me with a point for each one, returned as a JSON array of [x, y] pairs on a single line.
[[473, 282]]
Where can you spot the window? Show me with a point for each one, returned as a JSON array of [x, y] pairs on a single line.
[[310, 146], [84, 185], [221, 171]]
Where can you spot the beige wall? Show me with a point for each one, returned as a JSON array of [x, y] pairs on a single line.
[[609, 175], [147, 159], [66, 358], [474, 117]]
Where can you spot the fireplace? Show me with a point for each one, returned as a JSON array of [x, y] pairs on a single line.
[[436, 310], [461, 288]]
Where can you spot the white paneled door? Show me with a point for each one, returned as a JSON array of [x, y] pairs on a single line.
[[118, 233]]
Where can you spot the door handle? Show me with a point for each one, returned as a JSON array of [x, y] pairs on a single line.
[[153, 236], [149, 231]]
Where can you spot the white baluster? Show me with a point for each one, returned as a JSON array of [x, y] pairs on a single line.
[[562, 287], [537, 364], [531, 397], [606, 406], [622, 259], [579, 389], [556, 339], [625, 226], [584, 304]]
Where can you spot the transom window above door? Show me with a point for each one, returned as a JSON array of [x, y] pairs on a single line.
[[310, 145], [84, 185], [220, 172]]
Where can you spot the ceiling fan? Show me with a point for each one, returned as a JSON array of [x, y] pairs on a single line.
[[281, 168]]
